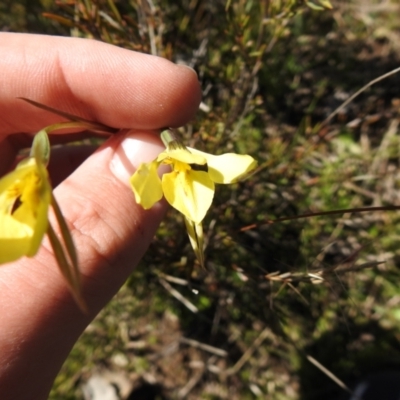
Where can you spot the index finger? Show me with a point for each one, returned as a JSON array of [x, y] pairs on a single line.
[[95, 80]]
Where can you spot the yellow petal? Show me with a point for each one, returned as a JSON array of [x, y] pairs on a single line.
[[146, 185], [41, 210], [15, 238], [229, 167], [182, 155], [25, 195], [196, 236], [190, 192]]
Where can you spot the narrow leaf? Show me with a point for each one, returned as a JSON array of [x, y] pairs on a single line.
[[58, 18], [95, 126], [67, 238], [115, 10], [66, 269]]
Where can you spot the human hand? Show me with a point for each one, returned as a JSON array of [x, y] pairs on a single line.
[[39, 320]]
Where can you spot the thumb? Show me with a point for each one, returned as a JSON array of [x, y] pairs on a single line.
[[111, 231]]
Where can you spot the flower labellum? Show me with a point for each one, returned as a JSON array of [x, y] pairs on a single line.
[[190, 185]]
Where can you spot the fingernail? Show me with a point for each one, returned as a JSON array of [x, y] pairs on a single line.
[[187, 68], [131, 150]]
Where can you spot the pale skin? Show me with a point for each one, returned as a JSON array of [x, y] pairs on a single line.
[[40, 322]]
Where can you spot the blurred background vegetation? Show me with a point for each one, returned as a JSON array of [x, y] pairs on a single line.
[[278, 297]]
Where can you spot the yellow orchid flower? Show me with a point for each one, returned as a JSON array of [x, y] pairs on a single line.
[[25, 198], [190, 185]]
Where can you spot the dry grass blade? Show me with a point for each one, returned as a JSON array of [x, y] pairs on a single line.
[[173, 292], [352, 97], [318, 214], [204, 346], [266, 332], [328, 373]]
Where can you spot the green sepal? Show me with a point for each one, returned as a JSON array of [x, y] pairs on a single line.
[[40, 149]]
